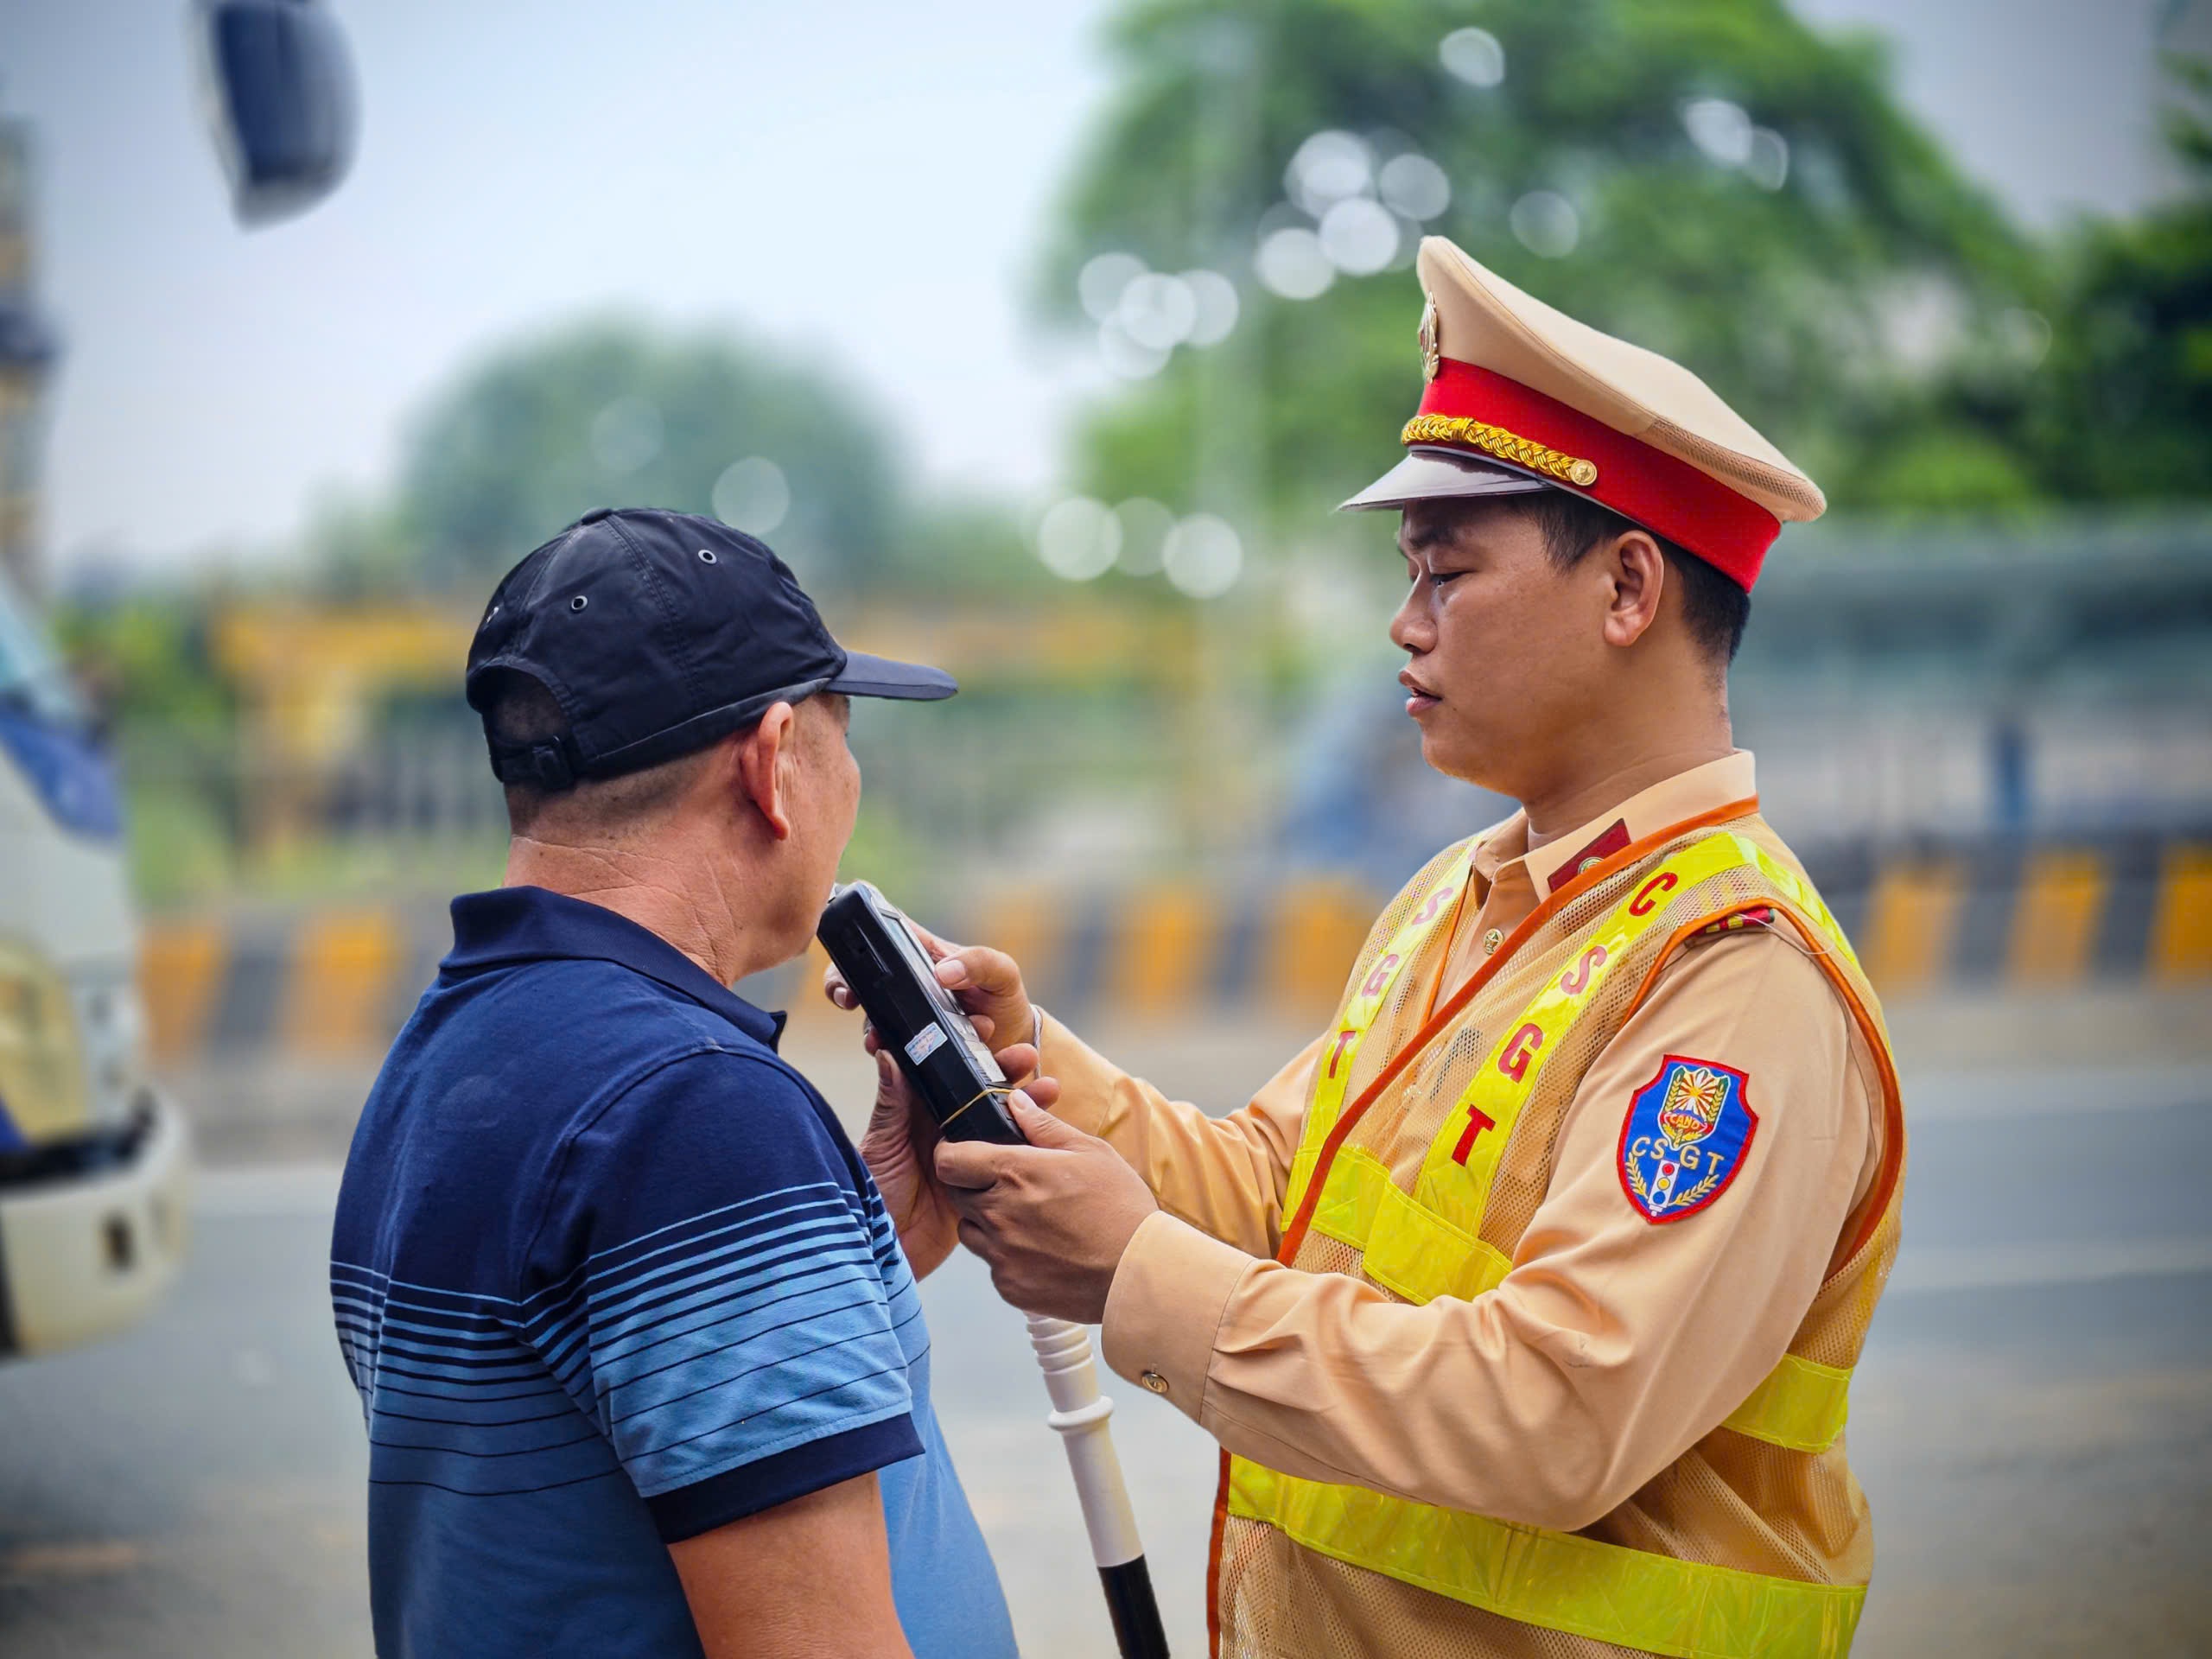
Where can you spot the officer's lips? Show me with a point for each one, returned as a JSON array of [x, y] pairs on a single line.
[[1422, 699]]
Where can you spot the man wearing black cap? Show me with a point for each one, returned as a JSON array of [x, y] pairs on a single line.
[[642, 1361]]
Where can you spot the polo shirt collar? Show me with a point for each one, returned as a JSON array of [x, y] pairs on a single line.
[[510, 926]]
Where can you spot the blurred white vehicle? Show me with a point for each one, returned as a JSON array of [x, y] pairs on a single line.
[[94, 1160]]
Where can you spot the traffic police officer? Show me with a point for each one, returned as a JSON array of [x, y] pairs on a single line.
[[1523, 1302]]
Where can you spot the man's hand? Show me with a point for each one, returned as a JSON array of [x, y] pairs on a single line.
[[1051, 1217], [897, 1147], [901, 1140], [986, 984]]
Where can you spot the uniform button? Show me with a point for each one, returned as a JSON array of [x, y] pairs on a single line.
[[1155, 1381], [1491, 940], [595, 515], [1587, 865]]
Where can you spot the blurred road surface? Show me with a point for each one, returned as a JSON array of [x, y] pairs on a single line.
[[2033, 1419]]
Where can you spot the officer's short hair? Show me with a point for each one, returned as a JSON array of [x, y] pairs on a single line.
[[1714, 608], [518, 709]]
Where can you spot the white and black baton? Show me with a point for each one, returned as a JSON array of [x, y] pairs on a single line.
[[1079, 1412], [947, 1063]]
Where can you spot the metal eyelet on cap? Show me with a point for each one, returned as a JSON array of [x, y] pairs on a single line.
[[706, 555], [578, 602]]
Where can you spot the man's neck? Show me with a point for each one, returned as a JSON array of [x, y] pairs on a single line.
[[1559, 815], [663, 892], [1630, 758]]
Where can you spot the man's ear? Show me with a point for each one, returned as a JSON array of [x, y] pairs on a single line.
[[1636, 572], [760, 774]]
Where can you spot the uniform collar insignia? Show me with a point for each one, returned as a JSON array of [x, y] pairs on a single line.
[[1611, 842]]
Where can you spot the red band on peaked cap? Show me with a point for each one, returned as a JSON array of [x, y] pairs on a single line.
[[1661, 491]]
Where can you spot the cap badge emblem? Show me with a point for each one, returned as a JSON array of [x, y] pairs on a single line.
[[1432, 342]]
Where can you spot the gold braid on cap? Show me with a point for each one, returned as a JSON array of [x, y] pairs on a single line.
[[1496, 440]]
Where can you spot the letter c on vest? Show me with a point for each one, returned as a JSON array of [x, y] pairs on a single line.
[[1646, 894]]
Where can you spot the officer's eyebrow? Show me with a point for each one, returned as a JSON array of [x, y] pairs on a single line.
[[1430, 533]]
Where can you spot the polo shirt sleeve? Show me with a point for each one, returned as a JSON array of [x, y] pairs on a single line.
[[715, 1283]]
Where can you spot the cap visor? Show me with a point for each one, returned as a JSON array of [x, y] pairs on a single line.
[[1427, 474], [879, 677]]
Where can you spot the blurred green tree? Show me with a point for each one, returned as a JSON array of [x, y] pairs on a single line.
[[2128, 409], [618, 413], [1710, 178], [144, 653]]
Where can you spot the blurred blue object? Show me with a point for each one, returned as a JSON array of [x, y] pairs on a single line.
[[1362, 799], [27, 340], [67, 769], [280, 102]]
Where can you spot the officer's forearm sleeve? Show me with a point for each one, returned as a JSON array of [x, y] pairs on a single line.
[[1612, 1347], [1224, 1176]]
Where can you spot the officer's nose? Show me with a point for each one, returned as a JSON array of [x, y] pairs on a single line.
[[1413, 629]]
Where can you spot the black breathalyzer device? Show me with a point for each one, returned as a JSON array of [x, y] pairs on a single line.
[[915, 1018], [947, 1063]]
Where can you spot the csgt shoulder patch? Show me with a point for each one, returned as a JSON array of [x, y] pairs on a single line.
[[1687, 1133]]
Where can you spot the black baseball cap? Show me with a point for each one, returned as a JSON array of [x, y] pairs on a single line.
[[659, 632]]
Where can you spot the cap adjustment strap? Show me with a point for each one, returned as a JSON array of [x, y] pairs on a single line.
[[546, 766], [1496, 440]]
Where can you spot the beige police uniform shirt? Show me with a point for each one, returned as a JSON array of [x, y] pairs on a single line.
[[1613, 1345]]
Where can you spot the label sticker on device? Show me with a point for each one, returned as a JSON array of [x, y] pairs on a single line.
[[927, 1042]]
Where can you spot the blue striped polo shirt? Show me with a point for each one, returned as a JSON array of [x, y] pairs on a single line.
[[607, 1275]]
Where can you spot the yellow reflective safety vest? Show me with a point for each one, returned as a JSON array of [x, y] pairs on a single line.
[[1756, 1542]]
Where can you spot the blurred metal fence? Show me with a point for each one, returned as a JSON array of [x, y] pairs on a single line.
[[401, 812], [2045, 682], [952, 802]]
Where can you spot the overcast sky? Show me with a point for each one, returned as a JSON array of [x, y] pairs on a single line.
[[866, 182]]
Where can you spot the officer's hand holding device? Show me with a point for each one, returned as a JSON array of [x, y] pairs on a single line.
[[915, 1018], [888, 973]]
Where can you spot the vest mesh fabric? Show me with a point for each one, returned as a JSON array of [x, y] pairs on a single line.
[[1731, 1501]]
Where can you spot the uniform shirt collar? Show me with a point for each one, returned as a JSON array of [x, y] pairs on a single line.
[[1671, 801], [511, 926]]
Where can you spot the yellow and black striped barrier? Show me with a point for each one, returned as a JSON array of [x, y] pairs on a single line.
[[338, 983]]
